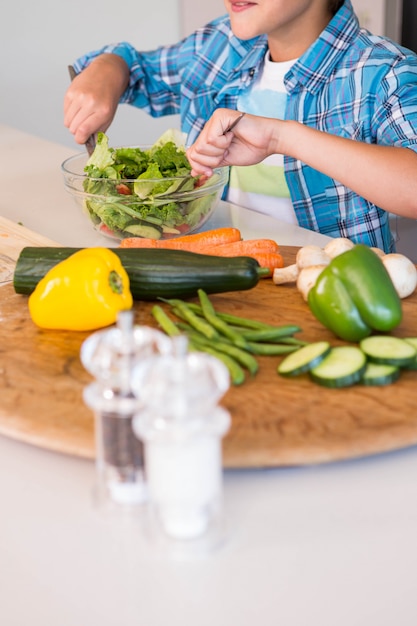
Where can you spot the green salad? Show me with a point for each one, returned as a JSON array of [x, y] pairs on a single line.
[[135, 191]]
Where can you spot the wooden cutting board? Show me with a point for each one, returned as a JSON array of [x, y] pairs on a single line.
[[275, 421], [14, 236]]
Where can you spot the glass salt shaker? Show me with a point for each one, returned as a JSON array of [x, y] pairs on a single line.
[[110, 356], [181, 426]]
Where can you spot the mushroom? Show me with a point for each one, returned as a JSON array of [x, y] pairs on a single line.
[[402, 271], [287, 274], [378, 252], [311, 255], [306, 257], [338, 246], [307, 278]]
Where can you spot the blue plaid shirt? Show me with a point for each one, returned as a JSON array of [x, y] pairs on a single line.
[[348, 83]]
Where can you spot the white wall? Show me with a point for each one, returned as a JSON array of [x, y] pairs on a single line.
[[194, 14], [39, 39]]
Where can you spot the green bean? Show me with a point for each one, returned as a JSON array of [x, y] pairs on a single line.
[[165, 322], [270, 334], [237, 374], [246, 359], [188, 328], [183, 310], [220, 325], [271, 349], [293, 341], [232, 319], [232, 339], [245, 325]]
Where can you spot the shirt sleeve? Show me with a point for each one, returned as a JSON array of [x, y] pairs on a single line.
[[396, 111]]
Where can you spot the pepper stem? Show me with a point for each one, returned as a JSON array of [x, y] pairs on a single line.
[[115, 282]]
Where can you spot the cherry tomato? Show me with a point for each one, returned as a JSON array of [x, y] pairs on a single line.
[[123, 189]]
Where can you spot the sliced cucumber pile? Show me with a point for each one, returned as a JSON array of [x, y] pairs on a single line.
[[377, 360]]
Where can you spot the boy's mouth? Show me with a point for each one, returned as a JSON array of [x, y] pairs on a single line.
[[240, 6]]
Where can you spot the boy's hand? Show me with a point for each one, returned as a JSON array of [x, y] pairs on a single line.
[[250, 142], [91, 100]]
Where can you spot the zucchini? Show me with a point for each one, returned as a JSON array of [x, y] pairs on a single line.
[[304, 359], [389, 350], [153, 273], [342, 367], [380, 374]]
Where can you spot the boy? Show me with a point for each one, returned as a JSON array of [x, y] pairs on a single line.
[[345, 154]]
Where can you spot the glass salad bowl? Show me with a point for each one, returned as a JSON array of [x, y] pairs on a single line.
[[142, 191]]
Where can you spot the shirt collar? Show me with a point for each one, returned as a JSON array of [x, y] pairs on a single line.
[[246, 54]]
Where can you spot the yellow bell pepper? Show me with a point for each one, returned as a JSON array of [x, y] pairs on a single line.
[[86, 291]]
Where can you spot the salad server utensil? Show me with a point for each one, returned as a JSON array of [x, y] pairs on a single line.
[[90, 144], [180, 186], [233, 124]]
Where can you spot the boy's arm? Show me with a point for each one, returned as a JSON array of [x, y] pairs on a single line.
[[119, 73], [386, 176]]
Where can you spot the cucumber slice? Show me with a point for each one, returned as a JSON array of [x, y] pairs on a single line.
[[413, 342], [380, 374], [170, 231], [388, 350], [144, 229], [343, 366], [304, 359]]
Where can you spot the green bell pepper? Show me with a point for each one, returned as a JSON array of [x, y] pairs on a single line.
[[354, 295]]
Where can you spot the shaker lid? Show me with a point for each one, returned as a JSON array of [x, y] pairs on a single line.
[[181, 385], [110, 355]]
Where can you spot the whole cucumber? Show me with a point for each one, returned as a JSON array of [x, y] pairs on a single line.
[[153, 273]]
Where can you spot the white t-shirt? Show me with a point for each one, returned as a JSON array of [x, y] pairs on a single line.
[[256, 187]]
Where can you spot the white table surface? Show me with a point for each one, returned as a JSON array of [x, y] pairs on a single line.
[[329, 545]]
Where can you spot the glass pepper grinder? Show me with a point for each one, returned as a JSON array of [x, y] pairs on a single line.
[[110, 356], [181, 426]]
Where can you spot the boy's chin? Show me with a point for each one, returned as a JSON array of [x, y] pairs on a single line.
[[244, 33]]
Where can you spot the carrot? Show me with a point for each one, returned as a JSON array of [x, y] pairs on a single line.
[[271, 260], [241, 248], [224, 241], [265, 251], [142, 242], [192, 243], [213, 243], [214, 237], [265, 258]]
